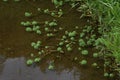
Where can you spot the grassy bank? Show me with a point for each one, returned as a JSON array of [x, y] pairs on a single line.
[[106, 12]]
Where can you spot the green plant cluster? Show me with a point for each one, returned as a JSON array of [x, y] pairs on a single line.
[[106, 12], [68, 40]]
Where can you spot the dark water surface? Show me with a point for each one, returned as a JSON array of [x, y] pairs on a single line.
[[16, 69], [15, 45]]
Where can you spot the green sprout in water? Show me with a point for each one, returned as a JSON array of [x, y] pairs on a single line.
[[69, 49], [83, 62], [37, 60], [111, 75], [79, 48], [57, 3], [28, 29], [35, 28], [94, 64], [82, 34], [75, 58], [53, 23], [106, 74], [64, 37], [34, 22], [29, 62], [32, 55], [39, 52], [47, 29], [59, 49], [89, 42], [61, 43], [27, 23], [72, 38], [46, 11], [84, 52], [50, 34], [28, 14], [52, 14], [82, 43], [51, 65], [95, 55], [36, 45], [38, 32], [72, 34], [60, 13], [39, 9]]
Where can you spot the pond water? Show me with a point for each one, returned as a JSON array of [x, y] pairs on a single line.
[[15, 68], [15, 45]]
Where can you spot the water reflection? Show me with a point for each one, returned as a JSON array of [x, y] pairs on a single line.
[[16, 69]]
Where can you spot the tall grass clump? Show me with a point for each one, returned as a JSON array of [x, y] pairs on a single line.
[[107, 13]]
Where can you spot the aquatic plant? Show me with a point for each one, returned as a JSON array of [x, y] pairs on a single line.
[[69, 49], [27, 23], [82, 34], [46, 29], [95, 55], [50, 67], [89, 42], [35, 28], [38, 32], [36, 45], [66, 32], [39, 52], [60, 13], [61, 43], [46, 11], [82, 43], [32, 55], [53, 14], [53, 23], [28, 29], [88, 29], [72, 34], [75, 58], [67, 45], [28, 14], [29, 61], [57, 3], [34, 22], [94, 64], [72, 38], [76, 27], [79, 48], [37, 60], [83, 62], [59, 49], [39, 9], [111, 75], [64, 37], [50, 34], [84, 52], [46, 22], [106, 74]]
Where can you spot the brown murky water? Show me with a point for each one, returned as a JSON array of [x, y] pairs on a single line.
[[15, 45]]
